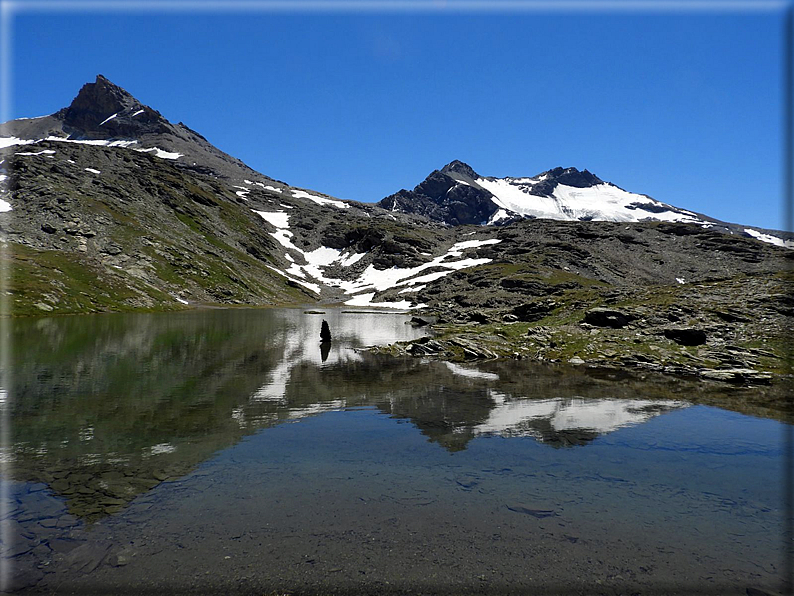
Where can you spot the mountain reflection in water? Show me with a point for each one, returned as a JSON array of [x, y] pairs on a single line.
[[107, 407], [147, 443]]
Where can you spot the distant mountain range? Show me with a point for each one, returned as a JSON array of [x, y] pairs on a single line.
[[457, 195]]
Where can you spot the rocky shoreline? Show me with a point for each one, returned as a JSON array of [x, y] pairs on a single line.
[[736, 345]]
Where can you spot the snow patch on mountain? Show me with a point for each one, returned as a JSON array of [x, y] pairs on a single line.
[[277, 218], [769, 238], [599, 202], [161, 153], [11, 141], [4, 205], [366, 300], [108, 119], [302, 194], [363, 289], [42, 152]]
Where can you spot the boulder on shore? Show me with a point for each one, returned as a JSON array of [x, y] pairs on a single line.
[[606, 317]]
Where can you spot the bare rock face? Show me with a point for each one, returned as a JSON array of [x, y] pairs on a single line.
[[447, 195], [103, 110]]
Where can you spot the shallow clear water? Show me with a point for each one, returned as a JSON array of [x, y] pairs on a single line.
[[224, 451]]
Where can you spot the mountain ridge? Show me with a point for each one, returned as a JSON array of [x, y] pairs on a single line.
[[166, 221], [457, 195]]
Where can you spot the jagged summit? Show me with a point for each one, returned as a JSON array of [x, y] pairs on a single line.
[[103, 110], [460, 167], [573, 177]]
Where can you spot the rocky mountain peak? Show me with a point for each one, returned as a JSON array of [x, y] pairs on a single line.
[[573, 177], [103, 110], [460, 167]]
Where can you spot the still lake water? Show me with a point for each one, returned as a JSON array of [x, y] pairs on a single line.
[[222, 451]]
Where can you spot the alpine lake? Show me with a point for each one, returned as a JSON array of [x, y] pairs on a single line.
[[226, 451]]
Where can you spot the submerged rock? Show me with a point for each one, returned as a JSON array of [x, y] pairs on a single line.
[[737, 375]]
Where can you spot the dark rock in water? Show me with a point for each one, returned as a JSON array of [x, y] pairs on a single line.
[[325, 332], [418, 322], [605, 317], [325, 350], [686, 336]]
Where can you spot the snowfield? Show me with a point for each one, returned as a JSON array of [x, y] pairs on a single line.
[[769, 238], [371, 281], [601, 202]]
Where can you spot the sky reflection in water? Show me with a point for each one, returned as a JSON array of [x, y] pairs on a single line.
[[115, 416]]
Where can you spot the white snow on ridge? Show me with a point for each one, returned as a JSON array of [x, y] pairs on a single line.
[[599, 202], [96, 142], [42, 152], [92, 170], [108, 119], [161, 153], [11, 141], [136, 113], [301, 194], [769, 238], [498, 216]]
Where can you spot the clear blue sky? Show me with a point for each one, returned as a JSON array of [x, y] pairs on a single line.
[[684, 107]]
